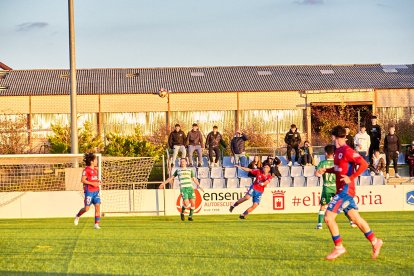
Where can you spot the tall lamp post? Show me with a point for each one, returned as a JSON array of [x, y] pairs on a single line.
[[73, 112], [165, 93]]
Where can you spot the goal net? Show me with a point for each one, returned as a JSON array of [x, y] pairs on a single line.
[[123, 180], [122, 177]]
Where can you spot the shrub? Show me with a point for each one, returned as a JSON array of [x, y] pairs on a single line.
[[60, 141], [134, 145], [13, 134], [325, 118]]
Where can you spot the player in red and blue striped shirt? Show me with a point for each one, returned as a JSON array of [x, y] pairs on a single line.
[[348, 165], [91, 184], [263, 177]]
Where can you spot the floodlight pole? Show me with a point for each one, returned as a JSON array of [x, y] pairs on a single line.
[[73, 112]]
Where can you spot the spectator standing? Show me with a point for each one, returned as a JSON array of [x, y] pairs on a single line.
[[349, 138], [306, 153], [292, 140], [392, 148], [362, 142], [409, 158], [238, 149], [213, 141], [377, 166], [195, 143], [176, 142], [374, 133]]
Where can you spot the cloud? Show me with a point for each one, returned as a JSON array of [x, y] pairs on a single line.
[[29, 26], [310, 2]]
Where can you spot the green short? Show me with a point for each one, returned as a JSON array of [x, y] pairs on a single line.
[[326, 196], [187, 193]]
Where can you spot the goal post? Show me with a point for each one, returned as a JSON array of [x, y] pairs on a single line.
[[122, 178]]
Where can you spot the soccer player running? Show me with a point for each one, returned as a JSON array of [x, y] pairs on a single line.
[[263, 177], [185, 176], [91, 184], [346, 159], [329, 184]]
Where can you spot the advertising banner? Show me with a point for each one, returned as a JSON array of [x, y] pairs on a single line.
[[293, 200]]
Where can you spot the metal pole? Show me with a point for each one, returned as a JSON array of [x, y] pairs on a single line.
[[73, 112], [168, 113]]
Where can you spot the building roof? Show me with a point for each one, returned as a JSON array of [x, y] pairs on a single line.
[[207, 79]]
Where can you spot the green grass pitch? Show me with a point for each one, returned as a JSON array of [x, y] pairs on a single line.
[[259, 245]]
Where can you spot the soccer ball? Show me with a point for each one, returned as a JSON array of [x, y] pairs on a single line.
[[163, 93]]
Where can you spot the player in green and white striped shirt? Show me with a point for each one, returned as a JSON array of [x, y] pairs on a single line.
[[186, 177], [329, 184]]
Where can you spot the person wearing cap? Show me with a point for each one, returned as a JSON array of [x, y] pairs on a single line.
[[238, 149], [292, 140], [195, 143], [274, 162], [176, 142], [374, 132], [409, 158], [213, 142]]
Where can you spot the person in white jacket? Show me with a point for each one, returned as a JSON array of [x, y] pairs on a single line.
[[362, 143]]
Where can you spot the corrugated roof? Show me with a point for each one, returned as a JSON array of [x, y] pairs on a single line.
[[207, 79]]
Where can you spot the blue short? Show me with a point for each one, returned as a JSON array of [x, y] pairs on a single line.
[[255, 195], [92, 198], [342, 202]]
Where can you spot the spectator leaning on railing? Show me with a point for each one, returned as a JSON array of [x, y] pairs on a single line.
[[195, 143], [238, 149], [176, 142]]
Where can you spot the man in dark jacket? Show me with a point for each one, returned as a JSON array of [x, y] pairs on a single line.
[[349, 138], [176, 142], [195, 142], [237, 148], [392, 148], [292, 140], [374, 132], [213, 142]]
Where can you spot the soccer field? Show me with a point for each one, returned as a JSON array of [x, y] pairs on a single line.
[[259, 245]]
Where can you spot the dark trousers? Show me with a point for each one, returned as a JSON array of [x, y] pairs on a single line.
[[306, 159], [394, 157], [375, 145], [411, 166], [289, 152], [275, 171], [216, 152]]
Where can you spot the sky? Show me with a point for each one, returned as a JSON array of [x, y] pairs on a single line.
[[174, 33]]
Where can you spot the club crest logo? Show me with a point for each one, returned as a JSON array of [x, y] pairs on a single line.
[[278, 200], [410, 197], [198, 201]]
